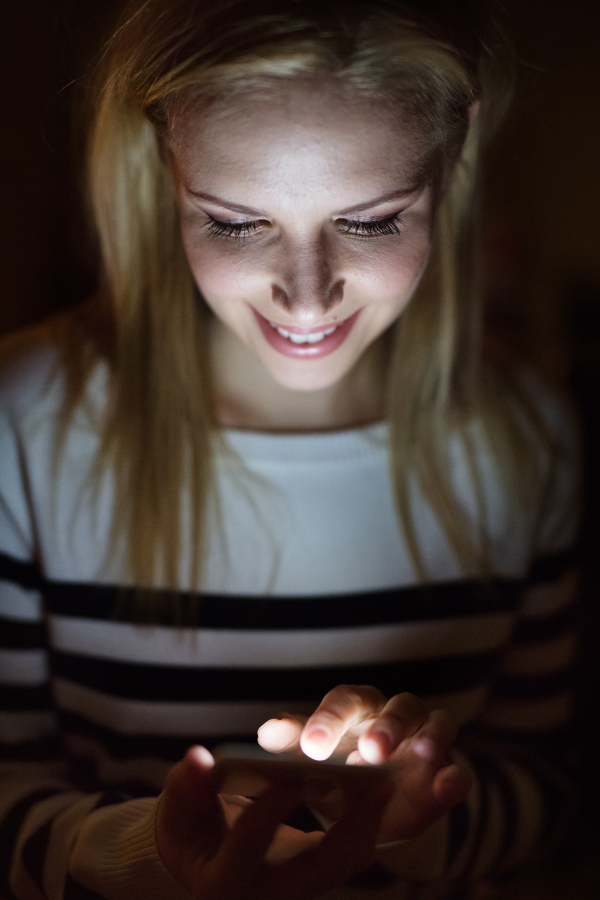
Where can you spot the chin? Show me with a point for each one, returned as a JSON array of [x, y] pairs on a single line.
[[304, 377]]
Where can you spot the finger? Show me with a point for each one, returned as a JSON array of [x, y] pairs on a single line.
[[188, 806], [401, 717], [244, 848], [342, 708], [355, 759], [289, 842], [452, 784], [282, 735], [347, 848], [433, 739]]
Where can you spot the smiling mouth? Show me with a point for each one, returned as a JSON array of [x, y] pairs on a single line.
[[305, 343], [314, 337]]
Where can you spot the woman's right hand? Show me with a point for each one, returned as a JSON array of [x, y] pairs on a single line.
[[222, 850]]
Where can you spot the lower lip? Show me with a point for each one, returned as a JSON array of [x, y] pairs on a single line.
[[306, 351]]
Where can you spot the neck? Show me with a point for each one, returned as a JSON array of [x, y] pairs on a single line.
[[247, 397]]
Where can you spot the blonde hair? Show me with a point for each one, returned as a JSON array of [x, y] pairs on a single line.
[[160, 427]]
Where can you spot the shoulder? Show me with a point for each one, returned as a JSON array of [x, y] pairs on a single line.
[[30, 362], [46, 368], [32, 371], [555, 408], [543, 449]]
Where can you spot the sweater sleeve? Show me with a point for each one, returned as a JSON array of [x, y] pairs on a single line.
[[521, 747], [56, 842], [524, 801]]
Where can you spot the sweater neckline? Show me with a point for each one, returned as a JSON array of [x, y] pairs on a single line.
[[347, 443]]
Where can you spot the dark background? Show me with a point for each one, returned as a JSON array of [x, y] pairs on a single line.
[[543, 192], [542, 222]]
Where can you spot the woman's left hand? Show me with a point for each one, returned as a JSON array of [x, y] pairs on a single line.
[[356, 721]]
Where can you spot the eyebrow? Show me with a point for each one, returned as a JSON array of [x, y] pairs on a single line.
[[385, 198], [248, 211], [235, 207]]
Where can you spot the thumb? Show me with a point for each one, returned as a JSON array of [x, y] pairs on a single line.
[[189, 811]]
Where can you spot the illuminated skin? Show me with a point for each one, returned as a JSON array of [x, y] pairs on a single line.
[[326, 224], [305, 212]]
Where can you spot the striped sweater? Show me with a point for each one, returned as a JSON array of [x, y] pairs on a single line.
[[308, 584]]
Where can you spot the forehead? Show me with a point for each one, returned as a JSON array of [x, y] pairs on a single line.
[[297, 136]]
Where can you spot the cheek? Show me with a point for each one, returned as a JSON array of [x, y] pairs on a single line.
[[219, 271], [391, 276]]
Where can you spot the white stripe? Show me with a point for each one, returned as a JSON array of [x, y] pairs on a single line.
[[131, 717], [529, 715], [25, 726], [18, 603], [159, 645], [24, 667], [542, 658]]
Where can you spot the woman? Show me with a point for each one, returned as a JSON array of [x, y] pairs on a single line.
[[268, 462]]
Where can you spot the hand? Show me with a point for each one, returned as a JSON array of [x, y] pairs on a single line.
[[223, 848], [358, 722]]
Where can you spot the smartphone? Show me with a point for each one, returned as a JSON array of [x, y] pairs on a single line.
[[247, 769]]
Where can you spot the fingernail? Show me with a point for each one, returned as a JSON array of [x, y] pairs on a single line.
[[277, 734], [202, 755], [316, 743], [384, 739], [375, 746]]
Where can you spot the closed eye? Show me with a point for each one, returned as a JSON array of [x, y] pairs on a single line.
[[216, 228], [372, 227]]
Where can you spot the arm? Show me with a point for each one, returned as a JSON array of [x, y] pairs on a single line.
[[58, 842], [523, 796]]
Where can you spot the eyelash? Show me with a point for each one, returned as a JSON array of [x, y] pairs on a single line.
[[215, 228], [375, 228]]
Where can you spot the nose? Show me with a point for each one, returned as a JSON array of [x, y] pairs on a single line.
[[308, 288]]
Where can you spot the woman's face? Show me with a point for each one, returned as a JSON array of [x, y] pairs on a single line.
[[306, 220]]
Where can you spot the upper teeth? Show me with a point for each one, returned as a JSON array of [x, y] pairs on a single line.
[[313, 338]]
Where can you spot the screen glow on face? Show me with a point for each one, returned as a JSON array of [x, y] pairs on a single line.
[[306, 221]]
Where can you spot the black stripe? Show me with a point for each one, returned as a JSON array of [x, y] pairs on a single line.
[[75, 891], [41, 749], [34, 853], [25, 574], [546, 628], [25, 698], [553, 567], [532, 687], [186, 684], [9, 833], [19, 635], [557, 736], [124, 747], [268, 613], [110, 602]]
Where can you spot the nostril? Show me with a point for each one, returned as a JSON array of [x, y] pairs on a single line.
[[280, 297], [301, 298], [336, 294]]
